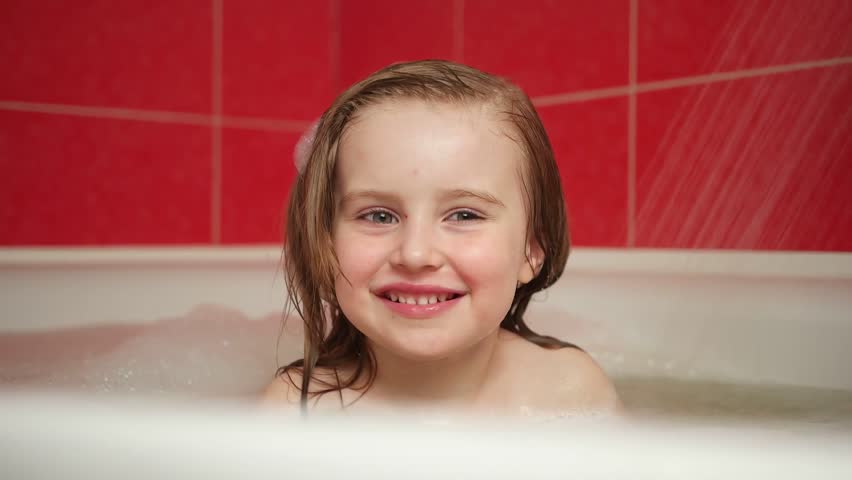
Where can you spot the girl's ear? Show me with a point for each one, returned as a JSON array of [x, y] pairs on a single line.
[[532, 262]]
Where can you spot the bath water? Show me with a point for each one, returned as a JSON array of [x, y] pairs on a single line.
[[217, 352]]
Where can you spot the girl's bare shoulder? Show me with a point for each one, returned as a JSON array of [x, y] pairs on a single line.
[[285, 390], [282, 392], [579, 382], [563, 379]]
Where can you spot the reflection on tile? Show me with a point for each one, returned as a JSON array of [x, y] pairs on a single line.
[[677, 38], [759, 163]]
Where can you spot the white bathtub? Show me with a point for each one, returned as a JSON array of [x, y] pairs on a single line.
[[758, 342]]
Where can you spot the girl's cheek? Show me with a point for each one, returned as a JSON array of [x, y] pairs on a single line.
[[359, 255], [484, 260]]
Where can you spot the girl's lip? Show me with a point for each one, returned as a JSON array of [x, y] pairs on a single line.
[[420, 311]]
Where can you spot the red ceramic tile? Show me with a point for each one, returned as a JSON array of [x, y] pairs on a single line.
[[590, 142], [86, 181], [678, 38], [759, 163], [135, 54], [376, 33], [257, 172], [549, 46], [276, 58]]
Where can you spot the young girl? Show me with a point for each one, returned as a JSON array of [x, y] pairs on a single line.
[[427, 212]]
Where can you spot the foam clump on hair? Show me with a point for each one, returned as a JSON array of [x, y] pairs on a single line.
[[303, 147]]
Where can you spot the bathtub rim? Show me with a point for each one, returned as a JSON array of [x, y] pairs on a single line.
[[745, 263]]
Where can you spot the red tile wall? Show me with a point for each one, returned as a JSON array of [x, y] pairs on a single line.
[[677, 124], [375, 33], [94, 181]]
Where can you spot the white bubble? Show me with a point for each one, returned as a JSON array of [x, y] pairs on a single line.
[[181, 355]]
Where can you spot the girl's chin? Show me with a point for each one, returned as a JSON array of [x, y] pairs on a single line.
[[419, 349], [419, 355]]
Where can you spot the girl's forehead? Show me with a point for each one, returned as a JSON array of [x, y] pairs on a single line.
[[417, 128], [464, 118], [421, 145]]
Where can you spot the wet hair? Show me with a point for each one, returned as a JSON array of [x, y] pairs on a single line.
[[331, 341]]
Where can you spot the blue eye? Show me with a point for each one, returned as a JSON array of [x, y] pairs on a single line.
[[382, 217], [464, 216]]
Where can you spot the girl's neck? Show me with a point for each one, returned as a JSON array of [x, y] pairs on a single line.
[[454, 381]]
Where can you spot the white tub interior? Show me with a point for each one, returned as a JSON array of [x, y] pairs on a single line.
[[115, 364], [702, 335]]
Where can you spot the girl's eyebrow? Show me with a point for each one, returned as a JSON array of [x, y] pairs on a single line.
[[368, 194], [478, 194], [388, 197]]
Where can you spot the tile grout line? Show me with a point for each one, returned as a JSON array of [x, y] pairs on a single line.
[[740, 74], [458, 31], [251, 123], [154, 116], [334, 46], [631, 123], [580, 96], [624, 90], [216, 128], [298, 126]]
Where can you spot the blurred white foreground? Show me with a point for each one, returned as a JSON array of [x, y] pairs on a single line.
[[53, 437]]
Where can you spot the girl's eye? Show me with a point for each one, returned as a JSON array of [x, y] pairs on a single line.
[[382, 217], [464, 216]]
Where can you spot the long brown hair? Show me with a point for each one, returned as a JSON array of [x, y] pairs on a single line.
[[330, 340]]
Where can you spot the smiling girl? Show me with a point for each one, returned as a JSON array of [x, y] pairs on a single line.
[[427, 213]]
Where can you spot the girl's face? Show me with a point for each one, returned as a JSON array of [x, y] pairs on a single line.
[[430, 226]]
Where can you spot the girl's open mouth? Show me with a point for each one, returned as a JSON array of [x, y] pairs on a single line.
[[419, 306], [419, 299]]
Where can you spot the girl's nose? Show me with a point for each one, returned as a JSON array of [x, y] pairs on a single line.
[[417, 249]]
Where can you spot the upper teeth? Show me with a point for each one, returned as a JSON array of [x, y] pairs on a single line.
[[418, 299]]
